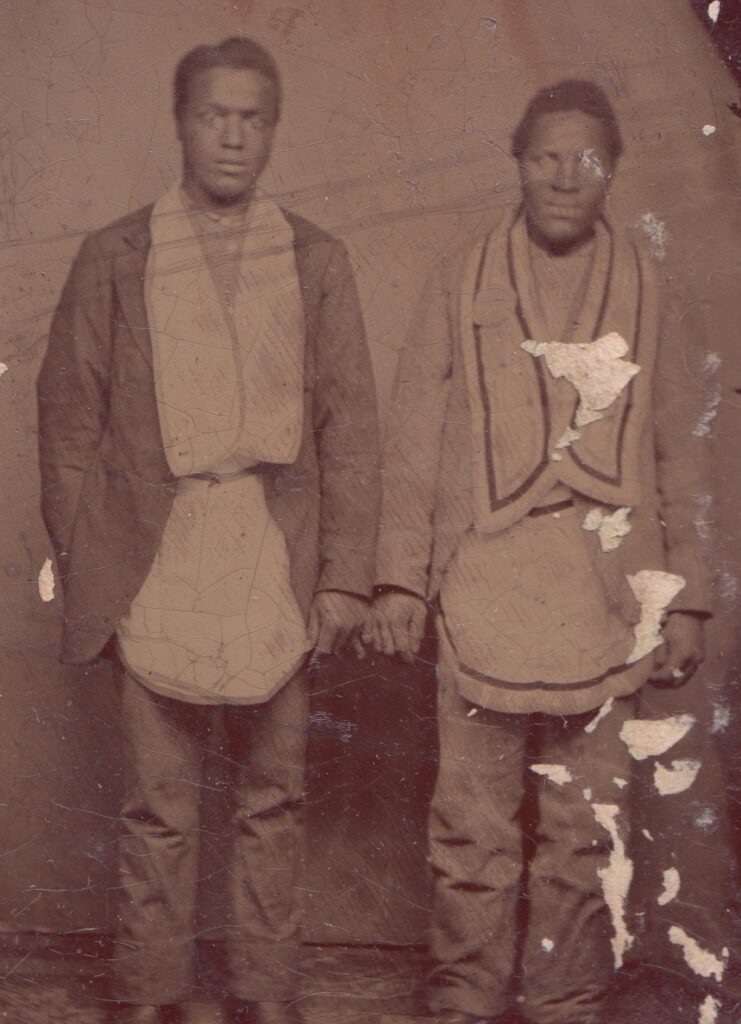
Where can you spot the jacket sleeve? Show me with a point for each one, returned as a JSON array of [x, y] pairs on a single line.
[[346, 426], [72, 390], [681, 430], [414, 442]]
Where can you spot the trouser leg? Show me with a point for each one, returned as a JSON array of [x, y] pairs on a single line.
[[268, 746], [158, 847], [574, 911], [475, 853]]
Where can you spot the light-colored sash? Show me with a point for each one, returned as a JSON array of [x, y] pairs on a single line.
[[229, 381]]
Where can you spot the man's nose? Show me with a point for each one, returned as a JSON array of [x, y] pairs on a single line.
[[568, 174], [233, 132]]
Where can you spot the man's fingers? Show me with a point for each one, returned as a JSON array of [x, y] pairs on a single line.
[[326, 637]]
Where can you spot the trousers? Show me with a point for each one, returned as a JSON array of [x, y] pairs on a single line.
[[158, 849], [516, 858]]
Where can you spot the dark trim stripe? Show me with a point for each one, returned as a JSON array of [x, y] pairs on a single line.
[[504, 684], [617, 480]]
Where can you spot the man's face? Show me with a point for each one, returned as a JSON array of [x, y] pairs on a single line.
[[565, 174], [226, 130]]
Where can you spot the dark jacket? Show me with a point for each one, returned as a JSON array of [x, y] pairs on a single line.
[[106, 486]]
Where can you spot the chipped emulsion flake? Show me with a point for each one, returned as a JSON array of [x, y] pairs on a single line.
[[3, 368], [567, 438], [610, 528], [616, 878], [557, 773], [653, 737], [708, 129], [702, 962], [677, 778], [596, 369], [714, 11], [46, 581], [654, 590], [603, 712], [547, 945], [671, 887], [709, 1010]]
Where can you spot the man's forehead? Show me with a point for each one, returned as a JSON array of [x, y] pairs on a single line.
[[567, 129], [238, 88]]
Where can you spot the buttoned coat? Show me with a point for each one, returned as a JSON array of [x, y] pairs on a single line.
[[107, 489]]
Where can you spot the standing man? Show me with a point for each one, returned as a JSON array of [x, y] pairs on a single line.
[[539, 482], [209, 464]]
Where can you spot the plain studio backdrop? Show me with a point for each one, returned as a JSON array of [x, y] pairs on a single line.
[[395, 136]]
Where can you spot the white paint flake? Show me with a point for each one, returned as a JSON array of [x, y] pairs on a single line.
[[603, 712], [676, 779], [711, 362], [709, 1010], [721, 718], [657, 232], [705, 423], [556, 457], [702, 521], [616, 878], [557, 773], [472, 712], [708, 129], [587, 794], [671, 887], [714, 11], [609, 528], [647, 835], [706, 819], [619, 782], [654, 590], [652, 737], [596, 369], [590, 161], [567, 438], [3, 368], [547, 945], [46, 581], [702, 962]]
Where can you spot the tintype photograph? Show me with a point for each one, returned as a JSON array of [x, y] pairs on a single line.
[[370, 387]]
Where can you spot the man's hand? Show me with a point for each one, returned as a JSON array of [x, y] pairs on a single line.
[[336, 620], [398, 623], [682, 652]]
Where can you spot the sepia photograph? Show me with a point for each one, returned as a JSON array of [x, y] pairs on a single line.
[[370, 620]]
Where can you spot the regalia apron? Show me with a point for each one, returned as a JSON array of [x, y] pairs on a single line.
[[216, 620], [526, 621]]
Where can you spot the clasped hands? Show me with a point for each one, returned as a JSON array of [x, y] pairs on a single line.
[[394, 624]]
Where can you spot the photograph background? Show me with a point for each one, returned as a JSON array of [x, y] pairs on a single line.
[[395, 137]]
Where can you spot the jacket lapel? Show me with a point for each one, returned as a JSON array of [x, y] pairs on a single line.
[[130, 270]]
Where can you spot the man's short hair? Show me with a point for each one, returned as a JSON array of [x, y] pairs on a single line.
[[235, 52], [570, 94]]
